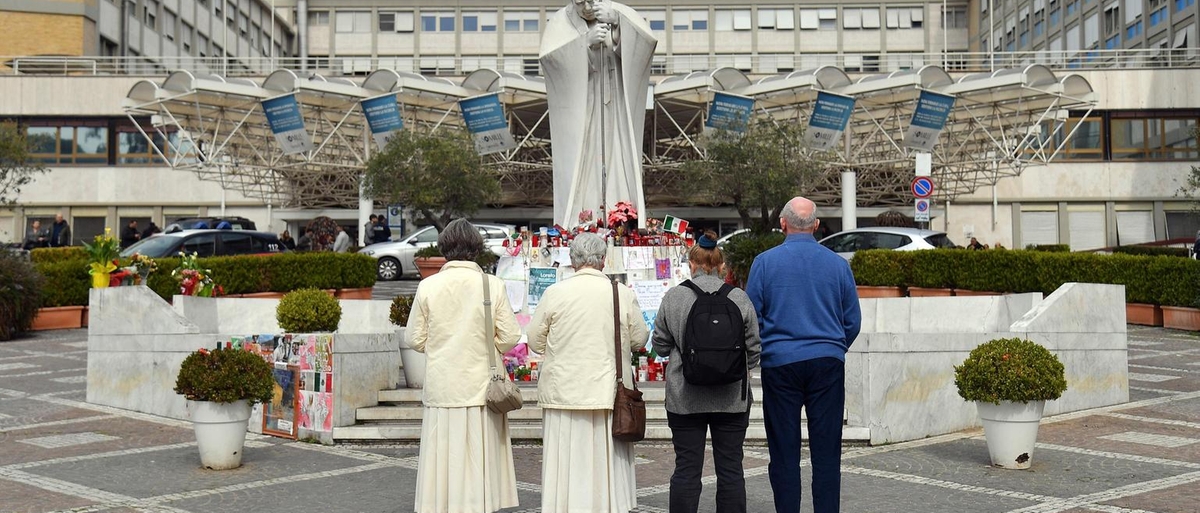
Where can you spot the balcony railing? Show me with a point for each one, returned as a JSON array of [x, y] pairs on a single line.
[[767, 64]]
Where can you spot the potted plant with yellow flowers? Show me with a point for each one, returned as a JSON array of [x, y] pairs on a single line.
[[102, 256]]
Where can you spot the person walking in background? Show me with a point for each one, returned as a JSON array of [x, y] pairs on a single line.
[[288, 242], [36, 237], [368, 232], [379, 230], [150, 230], [341, 243], [809, 315], [60, 232], [465, 462], [583, 467], [975, 244], [130, 235], [693, 410], [304, 243]]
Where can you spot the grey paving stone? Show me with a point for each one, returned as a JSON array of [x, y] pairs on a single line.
[[1054, 473], [178, 470], [22, 411]]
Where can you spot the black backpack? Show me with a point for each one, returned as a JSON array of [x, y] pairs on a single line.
[[716, 340]]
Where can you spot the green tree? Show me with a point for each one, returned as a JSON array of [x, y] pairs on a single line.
[[438, 176], [757, 172], [17, 165]]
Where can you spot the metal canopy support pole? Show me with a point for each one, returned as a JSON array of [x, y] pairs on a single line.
[[849, 191], [365, 204]]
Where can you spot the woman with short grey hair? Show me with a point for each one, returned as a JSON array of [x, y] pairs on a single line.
[[465, 461], [583, 468]]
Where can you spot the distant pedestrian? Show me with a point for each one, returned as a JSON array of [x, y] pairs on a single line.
[[150, 231], [304, 243], [341, 243], [60, 232], [288, 242], [130, 235], [975, 245], [807, 304], [380, 231], [36, 237], [693, 411], [368, 233]]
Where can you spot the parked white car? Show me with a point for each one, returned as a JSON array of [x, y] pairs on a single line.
[[397, 259], [881, 237]]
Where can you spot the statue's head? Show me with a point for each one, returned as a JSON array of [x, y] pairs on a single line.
[[587, 8]]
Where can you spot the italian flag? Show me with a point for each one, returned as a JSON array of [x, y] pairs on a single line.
[[675, 225]]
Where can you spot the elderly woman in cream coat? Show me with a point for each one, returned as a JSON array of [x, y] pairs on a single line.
[[583, 468], [465, 463]]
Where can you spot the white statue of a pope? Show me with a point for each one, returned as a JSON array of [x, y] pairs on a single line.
[[596, 58]]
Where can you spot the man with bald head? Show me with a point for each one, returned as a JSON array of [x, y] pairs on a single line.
[[808, 315]]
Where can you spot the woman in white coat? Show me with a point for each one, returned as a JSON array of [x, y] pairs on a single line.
[[465, 463], [583, 468]]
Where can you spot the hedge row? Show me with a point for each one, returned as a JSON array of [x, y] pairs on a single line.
[[1157, 280], [67, 282], [51, 255], [1152, 251]]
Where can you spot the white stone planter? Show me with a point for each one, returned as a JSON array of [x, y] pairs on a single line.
[[1011, 430], [411, 362], [220, 432]]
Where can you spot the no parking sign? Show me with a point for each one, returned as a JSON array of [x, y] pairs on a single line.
[[921, 214]]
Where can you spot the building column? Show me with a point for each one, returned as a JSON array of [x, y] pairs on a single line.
[[849, 200]]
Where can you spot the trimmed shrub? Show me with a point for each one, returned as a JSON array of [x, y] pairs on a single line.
[[52, 255], [1010, 369], [1151, 251], [225, 376], [68, 281], [882, 268], [20, 294], [1049, 248], [740, 251], [401, 307], [486, 259], [308, 311]]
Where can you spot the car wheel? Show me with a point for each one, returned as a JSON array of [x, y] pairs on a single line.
[[389, 268]]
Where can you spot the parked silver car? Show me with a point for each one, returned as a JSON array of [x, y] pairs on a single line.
[[881, 237], [397, 259]]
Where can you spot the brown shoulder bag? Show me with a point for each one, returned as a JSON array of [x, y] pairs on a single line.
[[629, 410]]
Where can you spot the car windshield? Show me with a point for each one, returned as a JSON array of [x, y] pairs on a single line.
[[940, 240], [154, 247]]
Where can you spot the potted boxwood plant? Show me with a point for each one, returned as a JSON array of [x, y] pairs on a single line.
[[220, 387], [412, 363], [308, 311], [1010, 380], [429, 260]]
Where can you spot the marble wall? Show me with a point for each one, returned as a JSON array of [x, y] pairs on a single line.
[[137, 341], [900, 370]]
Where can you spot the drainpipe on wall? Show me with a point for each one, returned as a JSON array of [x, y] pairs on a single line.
[[302, 32]]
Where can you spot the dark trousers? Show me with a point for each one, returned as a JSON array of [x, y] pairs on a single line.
[[688, 433], [819, 387]]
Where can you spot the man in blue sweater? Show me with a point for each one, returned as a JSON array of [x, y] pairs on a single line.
[[808, 315]]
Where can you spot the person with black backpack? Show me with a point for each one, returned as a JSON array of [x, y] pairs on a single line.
[[710, 332]]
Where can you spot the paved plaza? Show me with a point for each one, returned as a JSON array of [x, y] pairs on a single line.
[[58, 453]]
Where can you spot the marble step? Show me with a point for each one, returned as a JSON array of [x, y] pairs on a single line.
[[651, 393], [528, 412], [526, 430]]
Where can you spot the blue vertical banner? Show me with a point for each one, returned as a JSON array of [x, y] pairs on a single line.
[[484, 116], [383, 116], [830, 116], [283, 115], [929, 118], [729, 112]]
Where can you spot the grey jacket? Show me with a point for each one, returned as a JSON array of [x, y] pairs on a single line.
[[684, 398]]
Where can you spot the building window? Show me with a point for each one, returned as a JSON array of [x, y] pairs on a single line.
[[1183, 4], [479, 21], [1086, 143], [1154, 139], [1113, 43], [861, 18], [68, 143], [1159, 16], [353, 22], [401, 21], [1112, 19], [438, 22], [955, 17], [776, 19], [1073, 7], [689, 19], [1133, 31], [656, 19], [906, 17], [318, 18], [521, 21], [733, 19], [1091, 31], [530, 67]]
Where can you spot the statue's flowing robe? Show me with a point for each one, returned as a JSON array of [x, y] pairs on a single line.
[[597, 104]]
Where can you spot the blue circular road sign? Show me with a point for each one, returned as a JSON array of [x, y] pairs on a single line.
[[922, 187]]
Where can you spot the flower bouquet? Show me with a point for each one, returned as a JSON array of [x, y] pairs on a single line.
[[143, 266], [195, 280], [102, 256]]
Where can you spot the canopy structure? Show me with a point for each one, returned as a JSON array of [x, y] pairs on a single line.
[[1002, 123]]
